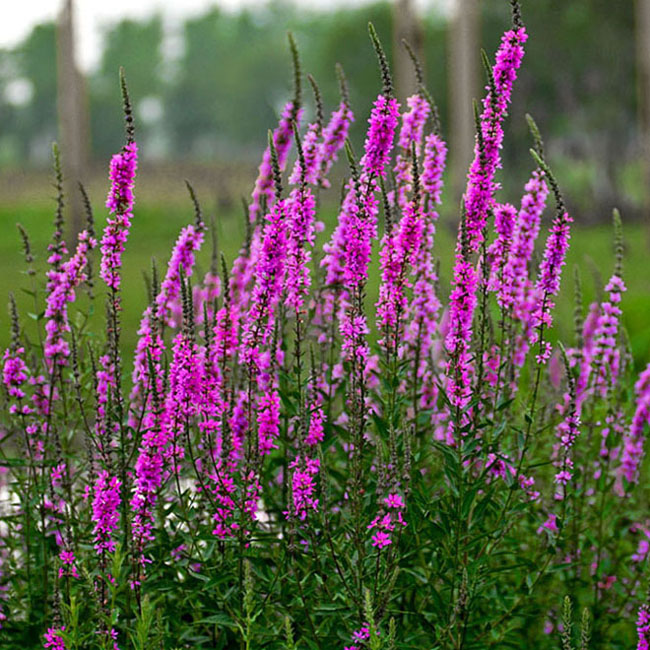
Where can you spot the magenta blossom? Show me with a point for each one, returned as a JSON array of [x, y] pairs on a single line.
[[120, 204], [481, 185], [106, 511], [53, 638], [379, 141]]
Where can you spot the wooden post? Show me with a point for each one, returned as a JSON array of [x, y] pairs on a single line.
[[405, 27], [464, 60], [73, 120], [643, 83]]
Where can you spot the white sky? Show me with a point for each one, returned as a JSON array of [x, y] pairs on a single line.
[[19, 16]]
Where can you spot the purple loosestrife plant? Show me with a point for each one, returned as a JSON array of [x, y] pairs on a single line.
[[299, 463]]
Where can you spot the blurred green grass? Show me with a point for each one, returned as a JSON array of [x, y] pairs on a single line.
[[157, 224]]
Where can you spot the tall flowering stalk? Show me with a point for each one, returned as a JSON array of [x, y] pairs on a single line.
[[332, 298], [257, 347], [120, 204], [606, 355], [568, 430], [413, 123], [400, 249], [462, 304], [62, 285], [359, 221], [358, 231], [63, 279], [298, 282], [224, 449], [550, 268], [112, 484], [481, 185], [478, 201], [263, 192], [424, 310]]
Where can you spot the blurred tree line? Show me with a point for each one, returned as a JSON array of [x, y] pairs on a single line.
[[211, 90]]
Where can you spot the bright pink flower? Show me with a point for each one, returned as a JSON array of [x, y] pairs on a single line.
[[381, 539], [106, 510], [481, 185], [550, 524], [379, 140], [394, 501], [53, 638], [300, 240], [120, 204]]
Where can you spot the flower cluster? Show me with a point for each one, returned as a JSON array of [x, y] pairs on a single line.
[[385, 524], [106, 511], [120, 203], [379, 141], [481, 185]]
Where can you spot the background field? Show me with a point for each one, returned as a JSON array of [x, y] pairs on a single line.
[[163, 210]]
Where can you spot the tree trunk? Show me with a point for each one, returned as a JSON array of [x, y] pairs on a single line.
[[405, 27], [73, 121], [643, 77], [464, 59]]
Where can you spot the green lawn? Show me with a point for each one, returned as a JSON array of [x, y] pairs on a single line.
[[156, 225]]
